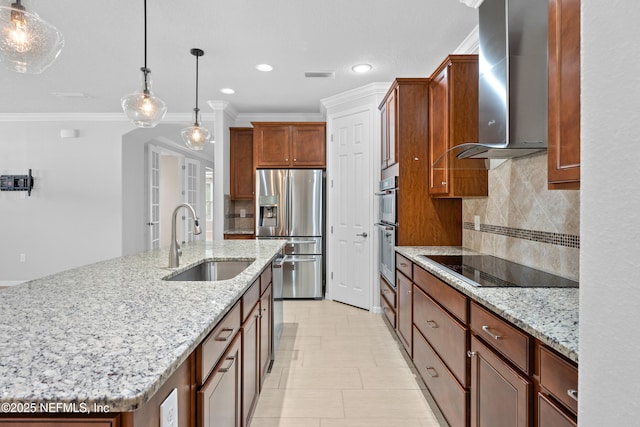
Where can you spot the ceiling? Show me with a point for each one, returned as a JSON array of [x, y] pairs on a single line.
[[103, 51]]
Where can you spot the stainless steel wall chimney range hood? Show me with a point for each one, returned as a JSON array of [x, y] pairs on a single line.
[[513, 80]]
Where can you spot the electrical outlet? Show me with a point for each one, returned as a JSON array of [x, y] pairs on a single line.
[[243, 213], [23, 257], [169, 410], [476, 222]]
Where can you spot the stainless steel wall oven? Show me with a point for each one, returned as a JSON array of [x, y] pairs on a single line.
[[387, 225]]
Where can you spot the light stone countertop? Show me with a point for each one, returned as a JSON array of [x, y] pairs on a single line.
[[113, 332], [549, 314]]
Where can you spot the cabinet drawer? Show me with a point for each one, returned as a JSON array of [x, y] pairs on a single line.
[[208, 353], [560, 378], [447, 337], [549, 415], [389, 312], [442, 293], [265, 279], [403, 265], [509, 341], [450, 397], [388, 292], [250, 299]]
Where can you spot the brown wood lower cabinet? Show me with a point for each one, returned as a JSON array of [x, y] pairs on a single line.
[[250, 364], [500, 395], [265, 333], [550, 414], [404, 312], [448, 394], [220, 399]]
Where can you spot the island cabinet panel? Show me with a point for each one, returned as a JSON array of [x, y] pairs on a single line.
[[250, 364], [404, 313], [289, 145], [220, 400], [446, 336], [209, 352], [564, 95], [450, 397], [265, 333], [241, 177], [500, 395], [250, 299], [550, 414]]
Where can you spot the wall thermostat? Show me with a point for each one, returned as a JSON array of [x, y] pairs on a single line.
[[17, 182]]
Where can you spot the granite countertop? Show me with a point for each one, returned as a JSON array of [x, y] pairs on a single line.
[[549, 314], [239, 231], [113, 332]]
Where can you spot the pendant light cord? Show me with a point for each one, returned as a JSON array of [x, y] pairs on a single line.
[[145, 70]]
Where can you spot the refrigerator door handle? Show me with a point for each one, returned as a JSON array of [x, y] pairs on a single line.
[[297, 259], [301, 242]]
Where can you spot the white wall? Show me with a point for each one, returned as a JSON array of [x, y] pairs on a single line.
[[73, 216], [610, 200]]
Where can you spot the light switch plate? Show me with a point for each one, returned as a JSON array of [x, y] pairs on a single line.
[[476, 222], [243, 213], [169, 410]]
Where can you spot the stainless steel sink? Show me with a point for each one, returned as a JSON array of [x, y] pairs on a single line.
[[211, 271]]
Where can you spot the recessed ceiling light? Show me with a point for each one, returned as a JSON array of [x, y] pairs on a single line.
[[361, 68], [264, 67], [227, 91]]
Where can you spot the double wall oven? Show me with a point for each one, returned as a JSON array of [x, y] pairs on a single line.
[[387, 226]]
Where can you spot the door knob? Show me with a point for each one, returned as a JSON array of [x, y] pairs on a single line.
[[362, 234]]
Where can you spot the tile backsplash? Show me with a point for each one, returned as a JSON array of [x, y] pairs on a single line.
[[233, 210], [523, 221]]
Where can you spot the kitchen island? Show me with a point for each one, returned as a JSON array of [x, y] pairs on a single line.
[[110, 334]]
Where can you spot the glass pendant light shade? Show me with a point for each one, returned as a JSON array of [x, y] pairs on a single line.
[[143, 108], [196, 136], [28, 44]]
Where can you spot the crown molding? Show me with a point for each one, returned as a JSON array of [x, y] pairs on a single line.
[[471, 44], [372, 89], [280, 117]]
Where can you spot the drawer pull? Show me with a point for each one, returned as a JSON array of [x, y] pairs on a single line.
[[432, 372], [491, 334], [432, 324], [404, 264], [231, 360], [572, 393], [225, 338], [470, 353], [386, 291]]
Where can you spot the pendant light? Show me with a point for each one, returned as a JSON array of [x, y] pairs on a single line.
[[196, 136], [143, 108], [28, 44]]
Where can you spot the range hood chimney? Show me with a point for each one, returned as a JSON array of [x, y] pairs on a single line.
[[513, 80]]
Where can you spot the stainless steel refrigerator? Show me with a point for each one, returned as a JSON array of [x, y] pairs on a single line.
[[290, 204]]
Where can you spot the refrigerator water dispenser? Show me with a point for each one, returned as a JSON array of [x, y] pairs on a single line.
[[268, 211]]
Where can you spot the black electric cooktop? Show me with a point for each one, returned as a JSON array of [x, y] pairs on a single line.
[[490, 271]]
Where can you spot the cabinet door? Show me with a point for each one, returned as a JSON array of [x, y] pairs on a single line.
[[564, 94], [500, 395], [438, 132], [392, 110], [384, 136], [404, 287], [272, 146], [250, 362], [308, 145], [219, 401], [550, 414], [241, 163], [265, 333]]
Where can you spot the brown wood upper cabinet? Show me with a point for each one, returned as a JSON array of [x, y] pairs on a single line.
[[453, 120], [289, 145], [564, 95], [389, 138], [241, 163]]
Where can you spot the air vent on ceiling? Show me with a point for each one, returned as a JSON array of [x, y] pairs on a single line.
[[320, 74]]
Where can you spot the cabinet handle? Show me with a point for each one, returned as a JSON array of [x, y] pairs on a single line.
[[295, 160], [444, 183], [432, 324], [231, 360], [572, 393], [491, 334], [470, 353], [226, 338], [386, 291], [402, 264], [432, 372]]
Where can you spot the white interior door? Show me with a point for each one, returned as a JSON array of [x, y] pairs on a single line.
[[350, 206], [153, 215], [191, 187]]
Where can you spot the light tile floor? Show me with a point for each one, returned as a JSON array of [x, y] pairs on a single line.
[[339, 366]]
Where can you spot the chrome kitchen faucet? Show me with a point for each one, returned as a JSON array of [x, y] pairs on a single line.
[[174, 250]]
